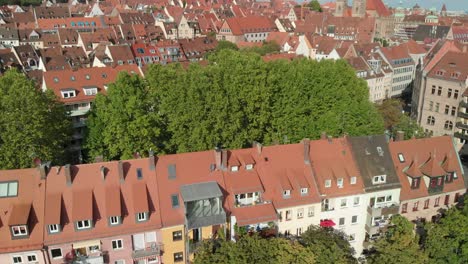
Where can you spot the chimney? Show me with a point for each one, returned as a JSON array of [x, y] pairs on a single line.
[[44, 169], [218, 157], [67, 173], [152, 164], [258, 146], [400, 136], [224, 159], [323, 135], [121, 172], [306, 144], [102, 169]]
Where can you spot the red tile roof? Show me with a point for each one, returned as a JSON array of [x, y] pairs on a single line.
[[424, 149], [54, 207], [19, 214], [255, 214], [250, 24], [82, 207]]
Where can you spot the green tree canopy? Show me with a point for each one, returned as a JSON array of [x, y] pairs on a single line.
[[398, 245], [409, 126], [253, 249], [238, 98], [125, 121], [447, 240], [315, 5], [395, 120], [33, 124], [329, 245], [224, 44]]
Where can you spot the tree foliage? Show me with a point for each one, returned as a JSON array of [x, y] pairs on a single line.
[[125, 121], [238, 98], [253, 249], [329, 245], [447, 240], [33, 124], [395, 120], [266, 48], [224, 44], [400, 244], [315, 5]]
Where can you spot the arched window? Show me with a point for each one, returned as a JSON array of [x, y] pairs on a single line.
[[448, 125], [430, 120]]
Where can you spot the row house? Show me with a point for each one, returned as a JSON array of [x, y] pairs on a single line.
[[249, 29], [196, 49], [9, 37], [431, 176], [27, 56], [113, 55], [31, 37], [375, 80], [159, 209], [77, 23], [77, 90], [438, 101]]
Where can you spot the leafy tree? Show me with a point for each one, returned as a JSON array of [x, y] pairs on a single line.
[[398, 245], [33, 124], [224, 44], [315, 5], [391, 111], [125, 121], [329, 245], [253, 249], [266, 48], [409, 126], [447, 240]]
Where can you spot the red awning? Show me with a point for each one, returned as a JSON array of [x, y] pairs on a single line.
[[327, 223]]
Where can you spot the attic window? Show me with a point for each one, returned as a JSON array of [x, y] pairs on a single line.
[[140, 50], [380, 151], [68, 94], [379, 179], [353, 180], [21, 230], [304, 191], [104, 75], [171, 169], [56, 80], [401, 158], [339, 183], [87, 77], [327, 183], [175, 201], [8, 189], [286, 193], [90, 91], [249, 166], [234, 168], [139, 173], [455, 75]]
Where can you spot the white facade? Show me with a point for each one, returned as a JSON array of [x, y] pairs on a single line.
[[295, 220], [348, 213], [380, 206]]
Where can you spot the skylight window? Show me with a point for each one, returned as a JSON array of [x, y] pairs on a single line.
[[401, 158]]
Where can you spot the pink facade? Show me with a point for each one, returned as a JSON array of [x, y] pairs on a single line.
[[39, 256], [428, 210]]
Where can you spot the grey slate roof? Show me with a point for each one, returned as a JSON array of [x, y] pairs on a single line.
[[429, 31], [372, 156], [200, 191]]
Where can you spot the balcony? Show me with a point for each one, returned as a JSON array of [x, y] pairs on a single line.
[[78, 124], [79, 112], [101, 258], [462, 115], [377, 227], [384, 210], [463, 104], [461, 135], [154, 250]]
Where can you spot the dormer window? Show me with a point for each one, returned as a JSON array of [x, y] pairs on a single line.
[[68, 93], [286, 193], [88, 77], [304, 191], [90, 91], [380, 151], [18, 231], [339, 183], [54, 228], [327, 183], [234, 168], [249, 166], [114, 220], [415, 183], [353, 180], [83, 224], [454, 175], [379, 179], [141, 217]]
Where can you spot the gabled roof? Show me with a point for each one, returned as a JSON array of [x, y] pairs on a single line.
[[432, 167]]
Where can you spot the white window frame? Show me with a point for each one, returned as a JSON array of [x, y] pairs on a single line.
[[353, 180], [61, 253], [401, 158], [339, 183], [358, 199], [339, 221], [311, 211], [119, 261], [18, 227], [304, 191], [85, 224], [354, 222], [53, 228], [114, 220], [8, 189], [32, 255], [345, 204], [249, 166], [327, 183], [141, 217], [16, 262], [300, 213], [117, 244], [379, 179], [68, 94], [153, 261], [286, 193], [90, 91], [234, 168]]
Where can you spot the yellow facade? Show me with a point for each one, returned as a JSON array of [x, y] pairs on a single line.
[[170, 246]]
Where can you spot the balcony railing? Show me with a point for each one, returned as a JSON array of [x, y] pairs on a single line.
[[463, 115], [383, 210], [461, 135], [153, 250], [463, 104], [100, 258]]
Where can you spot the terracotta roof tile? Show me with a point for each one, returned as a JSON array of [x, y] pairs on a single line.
[[82, 205], [19, 214], [140, 198], [54, 209], [113, 202]]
